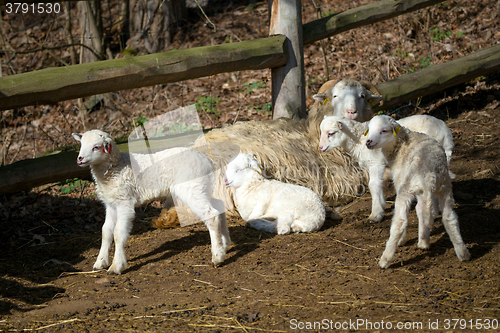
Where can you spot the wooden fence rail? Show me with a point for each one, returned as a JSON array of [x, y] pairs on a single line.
[[52, 85], [26, 174]]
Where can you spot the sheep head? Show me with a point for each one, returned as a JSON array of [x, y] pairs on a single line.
[[350, 98], [96, 147], [382, 132], [332, 135], [241, 166]]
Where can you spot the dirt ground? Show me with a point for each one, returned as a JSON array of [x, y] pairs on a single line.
[[328, 280]]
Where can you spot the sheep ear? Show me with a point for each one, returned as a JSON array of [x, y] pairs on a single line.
[[322, 98], [396, 130], [255, 165], [375, 99], [340, 125], [77, 136], [108, 145], [366, 132]]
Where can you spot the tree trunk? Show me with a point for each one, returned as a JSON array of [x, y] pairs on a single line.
[[153, 23], [91, 30], [288, 82]]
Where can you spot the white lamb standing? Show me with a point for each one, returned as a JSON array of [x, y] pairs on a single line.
[[353, 100], [433, 127], [337, 131], [342, 132], [419, 169], [294, 208], [180, 172]]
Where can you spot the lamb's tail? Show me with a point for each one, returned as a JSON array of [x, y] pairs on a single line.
[[263, 225]]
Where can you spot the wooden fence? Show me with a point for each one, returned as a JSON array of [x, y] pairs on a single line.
[[57, 84]]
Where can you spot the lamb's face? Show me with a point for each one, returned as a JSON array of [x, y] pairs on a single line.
[[238, 169], [382, 132], [95, 146], [331, 133]]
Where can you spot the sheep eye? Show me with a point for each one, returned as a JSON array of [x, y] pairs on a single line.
[[362, 96], [334, 96], [331, 134], [383, 131], [96, 148]]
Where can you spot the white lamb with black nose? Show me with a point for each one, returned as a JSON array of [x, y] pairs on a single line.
[[180, 172], [293, 208], [419, 170]]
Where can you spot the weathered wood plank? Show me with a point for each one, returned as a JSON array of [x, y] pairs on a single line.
[[26, 174], [439, 77], [360, 16], [51, 85]]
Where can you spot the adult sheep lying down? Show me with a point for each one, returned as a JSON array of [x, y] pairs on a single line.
[[288, 151]]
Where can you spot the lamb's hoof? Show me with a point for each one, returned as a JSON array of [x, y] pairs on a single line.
[[217, 260], [376, 217], [423, 244], [283, 231], [463, 254], [117, 268], [101, 264], [384, 262]]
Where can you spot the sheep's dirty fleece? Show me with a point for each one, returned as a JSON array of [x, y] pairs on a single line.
[[321, 281]]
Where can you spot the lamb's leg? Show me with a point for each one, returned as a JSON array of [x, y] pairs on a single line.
[[214, 228], [283, 224], [449, 152], [102, 261], [213, 218], [226, 239], [450, 222], [425, 214], [376, 189], [398, 228], [125, 216]]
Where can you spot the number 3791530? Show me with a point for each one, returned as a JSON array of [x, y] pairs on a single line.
[[35, 8]]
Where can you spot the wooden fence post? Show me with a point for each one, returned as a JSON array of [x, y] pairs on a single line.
[[288, 83]]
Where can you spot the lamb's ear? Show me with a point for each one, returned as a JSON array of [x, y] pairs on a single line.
[[322, 98], [77, 136], [340, 125], [375, 99], [108, 145], [256, 166], [396, 129]]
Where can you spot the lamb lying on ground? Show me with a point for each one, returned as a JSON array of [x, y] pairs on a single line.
[[433, 127], [180, 172], [294, 208], [419, 169], [342, 132]]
